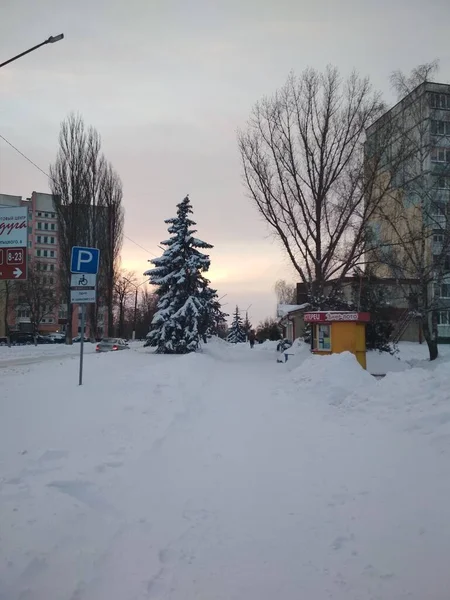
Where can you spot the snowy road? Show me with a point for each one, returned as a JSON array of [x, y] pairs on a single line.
[[211, 476]]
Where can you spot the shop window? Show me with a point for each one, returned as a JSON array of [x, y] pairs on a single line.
[[322, 337]]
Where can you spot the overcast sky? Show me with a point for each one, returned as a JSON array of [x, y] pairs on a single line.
[[168, 82]]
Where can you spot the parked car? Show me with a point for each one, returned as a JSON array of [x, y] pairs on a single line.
[[111, 345], [78, 339], [44, 339], [22, 339], [3, 341], [57, 338]]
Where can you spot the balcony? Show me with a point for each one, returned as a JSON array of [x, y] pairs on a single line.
[[20, 320]]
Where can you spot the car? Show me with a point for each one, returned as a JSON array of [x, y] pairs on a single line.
[[78, 339], [22, 339], [111, 345], [58, 338], [44, 339]]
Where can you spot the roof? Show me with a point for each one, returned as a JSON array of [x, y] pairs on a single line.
[[285, 309]]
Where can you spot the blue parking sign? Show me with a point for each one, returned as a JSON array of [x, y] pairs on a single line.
[[85, 260]]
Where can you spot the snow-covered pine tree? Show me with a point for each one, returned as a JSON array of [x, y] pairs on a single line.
[[178, 324], [236, 333], [213, 318]]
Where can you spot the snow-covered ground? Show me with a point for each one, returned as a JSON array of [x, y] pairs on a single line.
[[223, 475]]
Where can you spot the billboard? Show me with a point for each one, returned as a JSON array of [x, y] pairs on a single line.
[[13, 242], [13, 227]]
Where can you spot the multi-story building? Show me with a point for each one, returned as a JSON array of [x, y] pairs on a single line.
[[411, 223], [44, 249]]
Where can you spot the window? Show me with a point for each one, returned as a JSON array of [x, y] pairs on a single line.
[[38, 253], [29, 244], [52, 227], [445, 290], [443, 183], [438, 237], [38, 239], [443, 317], [440, 154], [46, 215], [440, 101], [45, 253], [39, 214], [440, 127], [322, 337], [45, 225], [52, 267], [45, 239], [52, 240], [438, 209], [52, 253]]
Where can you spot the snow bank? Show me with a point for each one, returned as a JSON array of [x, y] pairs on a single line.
[[380, 363], [332, 377]]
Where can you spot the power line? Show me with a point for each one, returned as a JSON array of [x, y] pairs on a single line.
[[25, 157], [142, 247], [49, 177]]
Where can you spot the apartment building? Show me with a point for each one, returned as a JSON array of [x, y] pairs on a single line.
[[43, 248], [417, 205]]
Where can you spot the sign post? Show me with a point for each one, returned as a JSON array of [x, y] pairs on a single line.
[[13, 243], [83, 320], [84, 265]]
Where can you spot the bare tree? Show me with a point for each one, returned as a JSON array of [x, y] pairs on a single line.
[[414, 228], [68, 183], [286, 292], [303, 164], [88, 196], [37, 295], [112, 221], [124, 288]]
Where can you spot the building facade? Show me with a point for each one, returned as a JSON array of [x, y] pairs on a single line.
[[410, 226], [44, 250]]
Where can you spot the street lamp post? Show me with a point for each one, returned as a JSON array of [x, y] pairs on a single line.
[[133, 335], [51, 40]]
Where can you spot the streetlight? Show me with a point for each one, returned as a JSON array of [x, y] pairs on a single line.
[[51, 40], [246, 318], [133, 335]]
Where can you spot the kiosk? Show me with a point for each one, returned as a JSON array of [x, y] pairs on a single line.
[[338, 331]]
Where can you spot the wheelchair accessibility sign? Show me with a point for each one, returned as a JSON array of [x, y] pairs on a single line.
[[82, 288]]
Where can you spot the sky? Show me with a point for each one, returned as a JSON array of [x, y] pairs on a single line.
[[167, 83]]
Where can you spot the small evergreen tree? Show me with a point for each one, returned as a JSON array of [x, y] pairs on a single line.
[[236, 333], [268, 329], [213, 318], [184, 304]]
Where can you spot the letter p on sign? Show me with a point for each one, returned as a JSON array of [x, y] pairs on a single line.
[[85, 260]]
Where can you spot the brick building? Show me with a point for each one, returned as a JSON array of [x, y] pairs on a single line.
[[43, 247]]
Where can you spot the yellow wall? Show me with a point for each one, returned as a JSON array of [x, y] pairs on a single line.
[[348, 337]]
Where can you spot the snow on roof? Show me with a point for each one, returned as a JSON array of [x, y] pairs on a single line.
[[285, 309]]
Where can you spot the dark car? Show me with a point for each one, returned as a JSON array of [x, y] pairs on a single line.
[[44, 339], [22, 339]]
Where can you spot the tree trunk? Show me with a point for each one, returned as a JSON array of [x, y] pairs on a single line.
[[430, 335]]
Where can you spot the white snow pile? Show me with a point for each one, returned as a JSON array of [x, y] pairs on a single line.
[[267, 346], [380, 363], [333, 377]]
